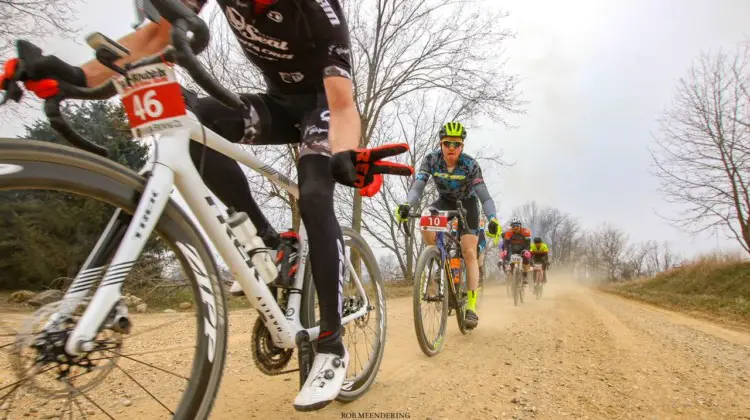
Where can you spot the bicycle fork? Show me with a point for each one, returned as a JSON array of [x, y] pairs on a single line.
[[148, 212]]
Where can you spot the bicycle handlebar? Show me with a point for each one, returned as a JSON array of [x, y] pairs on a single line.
[[460, 212], [183, 51]]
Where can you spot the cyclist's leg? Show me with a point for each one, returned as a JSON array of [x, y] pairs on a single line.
[[469, 250], [222, 174], [326, 256], [469, 242], [526, 264]]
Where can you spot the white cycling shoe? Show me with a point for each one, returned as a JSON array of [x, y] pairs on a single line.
[[324, 382]]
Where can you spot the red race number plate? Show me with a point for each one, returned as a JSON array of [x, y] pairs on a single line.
[[437, 223], [153, 100]]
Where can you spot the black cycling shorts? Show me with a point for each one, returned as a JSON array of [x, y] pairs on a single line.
[[272, 118], [472, 210]]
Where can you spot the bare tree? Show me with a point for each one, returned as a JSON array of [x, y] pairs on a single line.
[[31, 20], [417, 123], [635, 261], [403, 47], [34, 20], [389, 267], [702, 154], [558, 229], [661, 258], [603, 251]]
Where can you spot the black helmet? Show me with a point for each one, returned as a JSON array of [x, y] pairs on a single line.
[[537, 240]]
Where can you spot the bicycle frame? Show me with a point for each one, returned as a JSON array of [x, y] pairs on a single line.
[[173, 166]]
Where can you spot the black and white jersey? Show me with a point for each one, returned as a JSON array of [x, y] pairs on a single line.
[[295, 43]]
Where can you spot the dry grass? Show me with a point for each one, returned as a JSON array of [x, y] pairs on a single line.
[[398, 289], [715, 285]]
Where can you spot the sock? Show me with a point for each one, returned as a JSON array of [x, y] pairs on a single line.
[[330, 342], [472, 305]]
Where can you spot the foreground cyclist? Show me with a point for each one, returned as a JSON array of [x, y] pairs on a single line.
[[457, 176], [517, 241], [302, 49], [540, 254]]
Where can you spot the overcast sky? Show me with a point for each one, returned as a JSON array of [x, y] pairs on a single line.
[[596, 74]]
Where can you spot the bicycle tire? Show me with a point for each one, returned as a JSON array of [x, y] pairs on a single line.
[[538, 285], [353, 389], [515, 286], [429, 253], [460, 291], [47, 166]]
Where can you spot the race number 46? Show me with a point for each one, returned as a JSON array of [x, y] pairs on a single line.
[[146, 107], [152, 99]]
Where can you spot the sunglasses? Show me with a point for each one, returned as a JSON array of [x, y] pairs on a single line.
[[453, 144]]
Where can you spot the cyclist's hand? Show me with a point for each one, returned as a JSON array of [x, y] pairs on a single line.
[[526, 254], [9, 72], [402, 212], [41, 74], [44, 75], [494, 230], [504, 254], [363, 168]]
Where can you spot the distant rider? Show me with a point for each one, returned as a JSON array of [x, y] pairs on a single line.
[[517, 241], [540, 254]]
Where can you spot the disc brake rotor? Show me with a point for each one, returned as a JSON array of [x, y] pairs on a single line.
[[38, 355]]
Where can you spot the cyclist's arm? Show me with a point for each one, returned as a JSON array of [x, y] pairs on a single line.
[[480, 189], [147, 40], [420, 181], [345, 128]]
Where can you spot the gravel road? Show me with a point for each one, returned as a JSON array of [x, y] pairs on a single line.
[[576, 353]]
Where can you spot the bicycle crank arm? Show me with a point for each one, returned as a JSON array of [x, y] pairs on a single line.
[[305, 356]]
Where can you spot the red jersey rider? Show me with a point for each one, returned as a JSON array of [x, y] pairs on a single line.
[[517, 241]]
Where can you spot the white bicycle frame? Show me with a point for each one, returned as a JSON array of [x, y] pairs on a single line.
[[173, 166]]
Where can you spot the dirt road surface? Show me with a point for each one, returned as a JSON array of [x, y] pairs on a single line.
[[576, 353]]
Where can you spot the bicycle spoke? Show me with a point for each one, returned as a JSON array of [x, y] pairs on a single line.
[[78, 406], [19, 382], [65, 409], [150, 365], [156, 327], [368, 342], [176, 348], [89, 400], [145, 390]]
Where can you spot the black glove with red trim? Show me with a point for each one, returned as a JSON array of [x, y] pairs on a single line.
[[41, 74], [364, 169]]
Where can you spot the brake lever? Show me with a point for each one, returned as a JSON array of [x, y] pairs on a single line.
[[12, 91]]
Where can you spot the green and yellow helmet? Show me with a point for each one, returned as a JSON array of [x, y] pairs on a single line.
[[452, 129]]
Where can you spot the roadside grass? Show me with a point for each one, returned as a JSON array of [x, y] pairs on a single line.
[[715, 285]]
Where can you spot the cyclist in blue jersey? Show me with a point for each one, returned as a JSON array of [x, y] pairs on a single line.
[[457, 177]]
